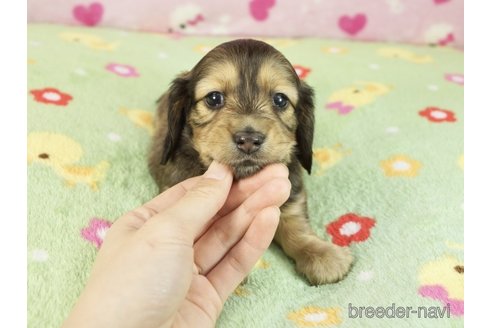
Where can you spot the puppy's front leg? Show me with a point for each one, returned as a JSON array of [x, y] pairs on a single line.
[[320, 261]]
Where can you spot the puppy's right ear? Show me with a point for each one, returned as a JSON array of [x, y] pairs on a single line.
[[179, 102]]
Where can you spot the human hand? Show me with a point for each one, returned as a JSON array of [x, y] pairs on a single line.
[[176, 259]]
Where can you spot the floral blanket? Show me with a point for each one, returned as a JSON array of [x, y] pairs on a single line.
[[387, 179]]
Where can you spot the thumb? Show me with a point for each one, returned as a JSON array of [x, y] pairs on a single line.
[[200, 204]]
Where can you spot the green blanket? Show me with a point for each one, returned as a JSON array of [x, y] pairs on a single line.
[[387, 179]]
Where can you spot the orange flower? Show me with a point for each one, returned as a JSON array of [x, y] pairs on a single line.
[[400, 166], [51, 96], [314, 316], [334, 50]]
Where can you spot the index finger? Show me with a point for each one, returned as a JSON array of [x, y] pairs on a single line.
[[137, 217], [240, 191], [170, 196]]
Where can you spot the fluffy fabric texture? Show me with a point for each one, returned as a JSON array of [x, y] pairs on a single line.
[[387, 179], [430, 21]]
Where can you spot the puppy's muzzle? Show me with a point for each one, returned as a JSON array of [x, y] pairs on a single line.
[[248, 142]]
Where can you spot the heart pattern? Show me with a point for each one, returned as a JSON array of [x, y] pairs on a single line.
[[352, 25], [259, 9], [386, 20], [89, 15]]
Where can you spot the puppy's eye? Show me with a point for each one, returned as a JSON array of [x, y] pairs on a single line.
[[214, 100], [280, 100]]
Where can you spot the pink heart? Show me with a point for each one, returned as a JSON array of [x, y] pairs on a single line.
[[88, 15], [352, 25], [438, 2], [259, 8]]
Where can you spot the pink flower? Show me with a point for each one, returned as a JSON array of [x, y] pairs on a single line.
[[438, 292], [122, 70], [96, 231], [455, 78]]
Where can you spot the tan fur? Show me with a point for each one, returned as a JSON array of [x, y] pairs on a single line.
[[319, 261], [189, 135], [221, 76], [212, 130], [272, 77]]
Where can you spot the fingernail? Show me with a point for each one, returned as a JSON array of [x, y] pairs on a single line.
[[216, 171]]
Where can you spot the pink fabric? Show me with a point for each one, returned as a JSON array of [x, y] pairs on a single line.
[[341, 107], [438, 22], [96, 231], [437, 292]]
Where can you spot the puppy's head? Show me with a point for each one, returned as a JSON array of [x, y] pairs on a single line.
[[244, 106]]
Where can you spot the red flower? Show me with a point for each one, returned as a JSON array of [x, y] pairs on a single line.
[[51, 96], [302, 71], [438, 115], [350, 228]]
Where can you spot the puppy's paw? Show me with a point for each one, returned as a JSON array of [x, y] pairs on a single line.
[[324, 263]]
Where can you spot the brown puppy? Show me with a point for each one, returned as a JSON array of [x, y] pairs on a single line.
[[244, 106]]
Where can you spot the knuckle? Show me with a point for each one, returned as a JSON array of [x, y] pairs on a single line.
[[203, 191], [254, 248], [143, 213], [222, 236], [236, 264]]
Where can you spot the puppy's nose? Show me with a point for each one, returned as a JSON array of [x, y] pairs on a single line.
[[248, 142]]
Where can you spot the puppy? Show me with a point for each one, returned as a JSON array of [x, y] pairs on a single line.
[[244, 106]]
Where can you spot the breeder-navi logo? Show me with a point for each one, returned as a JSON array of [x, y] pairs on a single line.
[[432, 312]]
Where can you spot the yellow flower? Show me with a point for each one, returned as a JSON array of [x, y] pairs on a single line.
[[278, 42], [328, 157], [241, 291], [314, 316], [405, 55], [461, 162], [140, 117], [201, 48], [261, 264], [334, 50], [89, 40], [400, 166]]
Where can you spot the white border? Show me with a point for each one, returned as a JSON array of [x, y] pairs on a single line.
[[478, 166], [13, 200]]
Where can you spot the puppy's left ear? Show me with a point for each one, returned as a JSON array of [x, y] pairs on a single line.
[[305, 125]]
